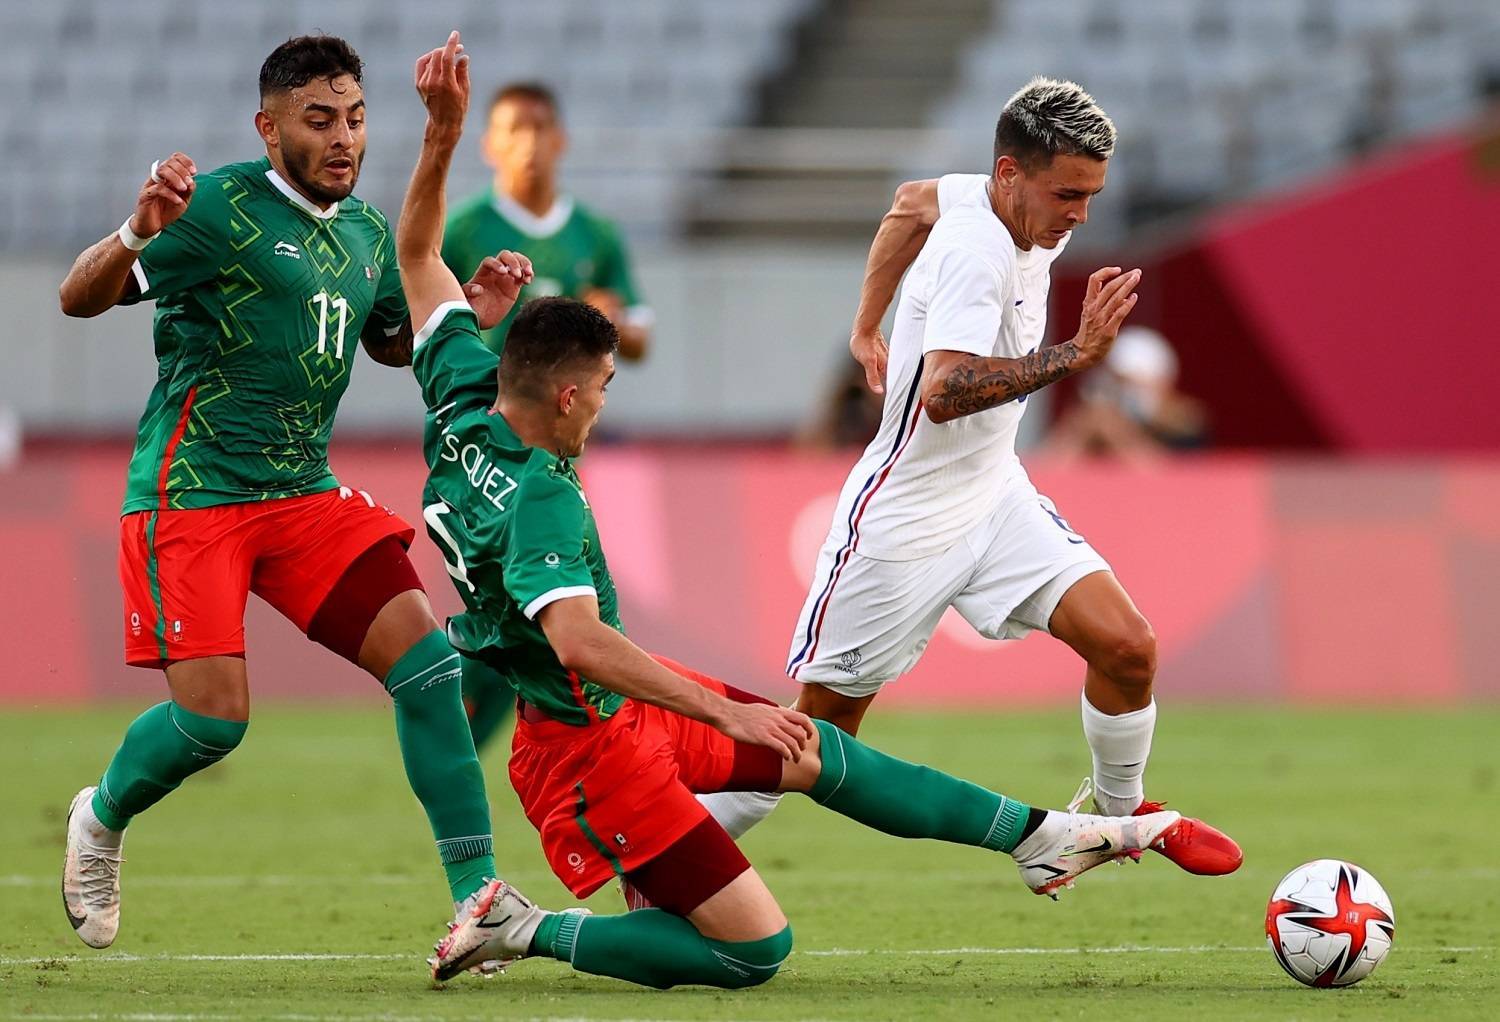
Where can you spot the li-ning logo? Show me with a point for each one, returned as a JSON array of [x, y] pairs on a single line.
[[849, 661], [286, 248]]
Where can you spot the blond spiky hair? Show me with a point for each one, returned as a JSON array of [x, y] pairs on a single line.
[[1047, 118]]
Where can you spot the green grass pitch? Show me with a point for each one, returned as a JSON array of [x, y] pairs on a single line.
[[296, 881]]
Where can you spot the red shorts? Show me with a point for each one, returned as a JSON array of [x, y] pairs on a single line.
[[187, 574], [610, 797]]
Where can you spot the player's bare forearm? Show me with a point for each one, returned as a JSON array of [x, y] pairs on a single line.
[[100, 277], [419, 232], [587, 646], [442, 80], [389, 349], [899, 238], [425, 278], [955, 387]]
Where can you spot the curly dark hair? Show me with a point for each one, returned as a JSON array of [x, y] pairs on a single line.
[[298, 61], [549, 337]]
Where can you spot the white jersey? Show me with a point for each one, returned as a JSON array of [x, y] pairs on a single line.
[[920, 484]]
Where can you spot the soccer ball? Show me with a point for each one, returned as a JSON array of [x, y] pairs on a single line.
[[1329, 923]]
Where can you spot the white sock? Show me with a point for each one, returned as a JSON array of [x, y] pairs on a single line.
[[1121, 746], [738, 811], [97, 833]]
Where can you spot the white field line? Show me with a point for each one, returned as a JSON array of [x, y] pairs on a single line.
[[408, 880], [249, 880], [1143, 949]]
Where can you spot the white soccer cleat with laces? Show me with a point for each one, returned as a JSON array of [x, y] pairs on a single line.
[[91, 878], [496, 931], [1069, 844]]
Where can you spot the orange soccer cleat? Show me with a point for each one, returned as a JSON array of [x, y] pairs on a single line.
[[1191, 844], [1194, 845]]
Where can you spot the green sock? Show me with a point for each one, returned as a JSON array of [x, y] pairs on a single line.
[[908, 800], [162, 747], [441, 765], [489, 698], [658, 949]]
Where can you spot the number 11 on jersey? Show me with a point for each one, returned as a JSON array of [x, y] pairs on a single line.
[[340, 304]]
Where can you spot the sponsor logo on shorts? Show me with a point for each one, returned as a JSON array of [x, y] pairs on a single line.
[[135, 624], [552, 560], [849, 661], [576, 861]]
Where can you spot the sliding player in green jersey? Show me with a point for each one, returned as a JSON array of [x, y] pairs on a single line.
[[573, 252], [266, 275], [612, 743]]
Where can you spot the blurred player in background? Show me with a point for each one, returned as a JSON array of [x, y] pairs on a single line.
[[264, 274], [611, 742], [573, 251], [939, 512], [1131, 408]]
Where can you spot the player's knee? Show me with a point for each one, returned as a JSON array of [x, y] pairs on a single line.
[[1130, 658], [841, 711], [752, 962]]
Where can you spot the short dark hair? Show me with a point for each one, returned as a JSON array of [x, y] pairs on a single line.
[[550, 336], [1048, 118], [298, 61], [534, 91]]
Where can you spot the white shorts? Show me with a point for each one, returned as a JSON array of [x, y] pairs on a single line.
[[867, 621]]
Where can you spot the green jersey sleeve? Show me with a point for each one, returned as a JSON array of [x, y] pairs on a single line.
[[390, 309], [189, 250], [545, 560], [451, 362], [614, 271]]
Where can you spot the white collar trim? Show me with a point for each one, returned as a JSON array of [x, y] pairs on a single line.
[[299, 200], [527, 222]]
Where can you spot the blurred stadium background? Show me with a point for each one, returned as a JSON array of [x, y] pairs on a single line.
[[1312, 187]]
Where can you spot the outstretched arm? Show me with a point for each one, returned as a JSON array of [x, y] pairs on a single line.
[[902, 232], [955, 383], [101, 275], [442, 80], [587, 646]]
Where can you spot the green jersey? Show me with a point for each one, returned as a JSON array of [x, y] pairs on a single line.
[[571, 249], [512, 522], [261, 298]]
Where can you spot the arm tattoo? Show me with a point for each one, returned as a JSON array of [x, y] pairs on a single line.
[[977, 383], [394, 350]]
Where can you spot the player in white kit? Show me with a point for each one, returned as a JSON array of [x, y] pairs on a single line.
[[939, 511]]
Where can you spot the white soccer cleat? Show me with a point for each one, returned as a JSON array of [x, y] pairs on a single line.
[[1067, 845], [91, 878], [497, 931]]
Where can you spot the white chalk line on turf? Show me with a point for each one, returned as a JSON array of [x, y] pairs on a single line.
[[264, 880], [837, 952], [408, 880]]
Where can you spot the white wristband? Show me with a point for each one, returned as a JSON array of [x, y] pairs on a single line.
[[132, 240]]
